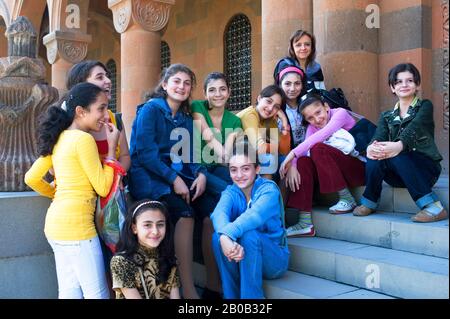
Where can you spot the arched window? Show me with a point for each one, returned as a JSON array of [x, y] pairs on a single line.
[[112, 70], [238, 61], [165, 55]]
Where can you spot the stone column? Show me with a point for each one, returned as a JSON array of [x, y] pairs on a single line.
[[348, 52], [279, 20], [140, 23], [64, 49]]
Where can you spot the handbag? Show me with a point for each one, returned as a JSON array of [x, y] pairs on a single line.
[[111, 211]]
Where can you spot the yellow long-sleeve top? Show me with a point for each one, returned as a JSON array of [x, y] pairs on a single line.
[[260, 139], [80, 177]]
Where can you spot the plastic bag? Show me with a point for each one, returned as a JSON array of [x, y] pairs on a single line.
[[110, 213]]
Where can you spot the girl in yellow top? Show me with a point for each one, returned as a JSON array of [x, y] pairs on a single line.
[[260, 121], [65, 144]]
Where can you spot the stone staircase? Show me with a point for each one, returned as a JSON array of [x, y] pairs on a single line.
[[381, 256]]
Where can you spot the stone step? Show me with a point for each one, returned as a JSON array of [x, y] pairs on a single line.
[[389, 230], [28, 277], [300, 286], [22, 217], [387, 271], [394, 199]]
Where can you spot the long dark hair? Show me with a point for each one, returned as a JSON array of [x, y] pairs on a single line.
[[212, 77], [81, 71], [170, 71], [128, 243], [297, 35], [57, 119]]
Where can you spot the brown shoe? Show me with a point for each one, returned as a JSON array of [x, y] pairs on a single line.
[[425, 217], [362, 210]]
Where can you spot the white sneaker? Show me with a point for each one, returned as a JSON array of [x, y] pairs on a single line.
[[342, 207], [301, 230]]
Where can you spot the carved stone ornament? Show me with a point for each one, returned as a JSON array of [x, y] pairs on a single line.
[[121, 14], [24, 96], [444, 6], [151, 15], [70, 47]]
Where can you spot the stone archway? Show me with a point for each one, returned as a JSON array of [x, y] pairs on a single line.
[[33, 10]]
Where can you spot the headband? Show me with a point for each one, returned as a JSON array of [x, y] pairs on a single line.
[[291, 69], [145, 203]]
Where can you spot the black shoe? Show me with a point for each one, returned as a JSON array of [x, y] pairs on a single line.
[[209, 294]]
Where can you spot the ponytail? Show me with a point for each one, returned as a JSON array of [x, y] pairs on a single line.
[[59, 118]]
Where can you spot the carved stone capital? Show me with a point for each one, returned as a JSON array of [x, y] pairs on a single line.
[[69, 46], [150, 15]]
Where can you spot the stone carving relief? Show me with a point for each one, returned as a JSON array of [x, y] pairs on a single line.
[[122, 16], [24, 96], [149, 14], [64, 45], [152, 16], [444, 6]]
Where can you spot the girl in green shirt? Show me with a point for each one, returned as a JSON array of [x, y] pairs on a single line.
[[218, 128]]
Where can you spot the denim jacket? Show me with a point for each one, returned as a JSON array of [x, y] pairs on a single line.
[[415, 130], [233, 216], [152, 172]]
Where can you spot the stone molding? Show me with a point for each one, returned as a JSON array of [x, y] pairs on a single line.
[[150, 15], [444, 7], [69, 46]]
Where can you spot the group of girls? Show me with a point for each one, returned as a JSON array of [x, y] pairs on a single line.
[[241, 213]]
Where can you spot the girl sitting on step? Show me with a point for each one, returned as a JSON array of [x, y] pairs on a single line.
[[403, 151], [331, 168], [249, 241]]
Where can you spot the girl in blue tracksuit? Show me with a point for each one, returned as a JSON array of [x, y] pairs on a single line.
[[249, 241]]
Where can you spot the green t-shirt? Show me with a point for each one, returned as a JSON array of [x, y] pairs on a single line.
[[230, 122]]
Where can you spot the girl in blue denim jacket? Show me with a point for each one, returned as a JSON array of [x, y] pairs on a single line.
[[162, 168], [249, 242]]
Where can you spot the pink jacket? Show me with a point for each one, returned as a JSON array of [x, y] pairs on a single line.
[[338, 118]]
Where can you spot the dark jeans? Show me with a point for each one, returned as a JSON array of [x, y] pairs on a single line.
[[412, 170], [217, 179]]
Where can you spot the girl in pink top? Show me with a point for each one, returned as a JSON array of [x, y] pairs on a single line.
[[332, 169]]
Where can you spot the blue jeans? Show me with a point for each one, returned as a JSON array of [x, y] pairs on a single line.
[[412, 170], [217, 179], [262, 259]]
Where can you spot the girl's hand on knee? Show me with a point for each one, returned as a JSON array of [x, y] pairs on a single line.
[[375, 151], [286, 164], [238, 253], [199, 185], [228, 246], [293, 179], [391, 149], [180, 188]]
